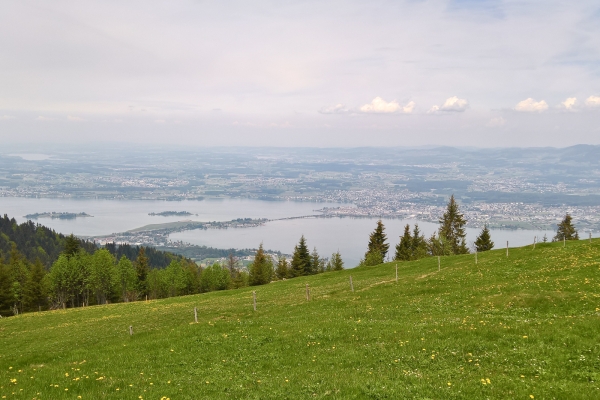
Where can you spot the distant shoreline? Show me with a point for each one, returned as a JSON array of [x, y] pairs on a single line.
[[57, 215]]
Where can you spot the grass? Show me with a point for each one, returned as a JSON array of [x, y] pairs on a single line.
[[520, 327]]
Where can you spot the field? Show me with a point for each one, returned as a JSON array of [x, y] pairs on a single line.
[[524, 326]]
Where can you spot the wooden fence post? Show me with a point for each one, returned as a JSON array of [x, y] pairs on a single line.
[[475, 256], [507, 248], [564, 241], [396, 273], [351, 285], [254, 299], [130, 330], [534, 240], [438, 263], [307, 293], [195, 315]]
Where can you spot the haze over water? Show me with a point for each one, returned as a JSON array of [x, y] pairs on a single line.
[[348, 235]]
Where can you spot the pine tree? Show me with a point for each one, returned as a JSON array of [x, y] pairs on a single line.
[[404, 247], [300, 264], [282, 270], [545, 238], [142, 269], [484, 240], [452, 228], [378, 248], [261, 269], [566, 230], [335, 263]]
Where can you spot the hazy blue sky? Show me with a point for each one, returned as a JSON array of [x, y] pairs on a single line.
[[309, 73]]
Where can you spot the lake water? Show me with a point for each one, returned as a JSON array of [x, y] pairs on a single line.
[[349, 235]]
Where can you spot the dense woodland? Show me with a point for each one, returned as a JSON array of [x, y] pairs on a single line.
[[41, 269]]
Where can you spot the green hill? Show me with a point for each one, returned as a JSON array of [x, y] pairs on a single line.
[[523, 326]]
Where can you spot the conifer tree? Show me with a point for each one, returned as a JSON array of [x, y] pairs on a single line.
[[300, 264], [317, 264], [142, 269], [418, 244], [261, 269], [335, 263], [35, 293], [484, 240], [566, 230], [378, 248], [71, 245], [282, 270], [404, 247], [452, 228]]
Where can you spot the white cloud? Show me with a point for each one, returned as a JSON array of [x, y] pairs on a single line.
[[496, 122], [593, 101], [569, 103], [6, 117], [380, 106], [455, 104], [409, 107], [530, 105], [433, 110], [337, 109], [42, 118], [76, 119]]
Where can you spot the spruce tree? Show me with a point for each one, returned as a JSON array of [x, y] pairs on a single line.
[[71, 245], [404, 247], [484, 240], [282, 271], [566, 230], [335, 263], [300, 264], [142, 269], [378, 248], [35, 293], [452, 228], [261, 269], [317, 264], [418, 244]]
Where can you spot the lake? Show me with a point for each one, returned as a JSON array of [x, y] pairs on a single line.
[[349, 235]]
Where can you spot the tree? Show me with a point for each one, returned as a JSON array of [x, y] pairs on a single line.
[[126, 278], [35, 293], [484, 240], [452, 228], [232, 264], [5, 292], [71, 245], [174, 278], [566, 230], [261, 269], [378, 248], [438, 245], [317, 264], [282, 271], [214, 277], [335, 262], [142, 269], [300, 264], [404, 247], [418, 245], [103, 275]]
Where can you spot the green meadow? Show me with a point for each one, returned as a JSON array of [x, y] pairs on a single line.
[[526, 326]]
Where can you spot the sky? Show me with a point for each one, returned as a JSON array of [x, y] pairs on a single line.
[[301, 73]]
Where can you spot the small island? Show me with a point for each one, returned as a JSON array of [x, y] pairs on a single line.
[[171, 214], [58, 215]]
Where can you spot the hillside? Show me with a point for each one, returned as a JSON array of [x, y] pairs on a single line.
[[523, 326]]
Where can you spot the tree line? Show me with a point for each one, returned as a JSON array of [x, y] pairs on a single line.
[[449, 239]]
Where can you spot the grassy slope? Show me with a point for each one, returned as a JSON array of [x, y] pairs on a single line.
[[529, 323]]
